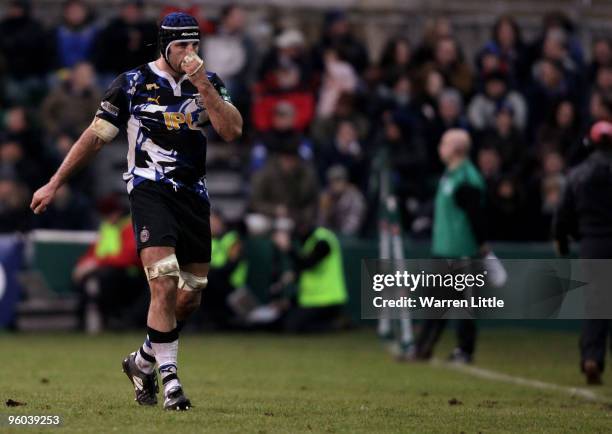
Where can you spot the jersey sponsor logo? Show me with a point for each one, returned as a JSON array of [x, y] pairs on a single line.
[[109, 108], [152, 86], [174, 120]]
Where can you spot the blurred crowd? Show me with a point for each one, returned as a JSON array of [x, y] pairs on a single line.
[[319, 112]]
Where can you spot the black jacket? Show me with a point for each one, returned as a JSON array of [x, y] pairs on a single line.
[[585, 209]]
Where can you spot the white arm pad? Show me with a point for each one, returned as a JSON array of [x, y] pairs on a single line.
[[104, 129]]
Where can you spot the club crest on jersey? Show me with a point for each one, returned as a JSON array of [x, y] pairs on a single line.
[[144, 235]]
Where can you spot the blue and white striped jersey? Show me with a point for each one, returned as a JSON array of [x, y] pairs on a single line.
[[164, 120]]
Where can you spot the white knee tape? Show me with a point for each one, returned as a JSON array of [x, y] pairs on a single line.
[[191, 282], [167, 266]]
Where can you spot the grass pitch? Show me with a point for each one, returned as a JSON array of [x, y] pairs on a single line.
[[331, 384]]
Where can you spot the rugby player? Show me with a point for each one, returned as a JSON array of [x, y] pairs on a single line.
[[163, 106]]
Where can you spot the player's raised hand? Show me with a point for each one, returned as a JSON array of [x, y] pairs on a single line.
[[193, 66], [43, 197]]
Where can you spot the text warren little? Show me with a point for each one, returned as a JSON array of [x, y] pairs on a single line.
[[432, 302]]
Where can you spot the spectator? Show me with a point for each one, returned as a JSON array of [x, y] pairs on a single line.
[[600, 106], [228, 273], [339, 77], [21, 34], [555, 48], [489, 164], [286, 186], [562, 132], [347, 150], [505, 137], [342, 207], [75, 37], [230, 52], [603, 79], [505, 52], [108, 274], [552, 186], [602, 57], [337, 35], [435, 29], [321, 289], [449, 114], [431, 86], [396, 60], [552, 183], [13, 159], [127, 41], [449, 62], [407, 158], [19, 128], [15, 214], [560, 31], [289, 50], [72, 105], [285, 75], [483, 108], [549, 87], [283, 134], [549, 174], [400, 100], [373, 94], [323, 130]]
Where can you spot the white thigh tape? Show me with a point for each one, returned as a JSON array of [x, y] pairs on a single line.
[[104, 129], [167, 266], [191, 282]]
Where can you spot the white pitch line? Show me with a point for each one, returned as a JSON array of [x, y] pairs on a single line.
[[506, 378]]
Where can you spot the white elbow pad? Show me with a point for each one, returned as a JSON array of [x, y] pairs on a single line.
[[104, 129]]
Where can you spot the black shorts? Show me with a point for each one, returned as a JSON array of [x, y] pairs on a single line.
[[165, 217]]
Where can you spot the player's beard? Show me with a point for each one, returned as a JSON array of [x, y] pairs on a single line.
[[176, 68]]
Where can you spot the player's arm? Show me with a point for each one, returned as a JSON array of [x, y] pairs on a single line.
[[111, 116], [83, 150], [224, 117]]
